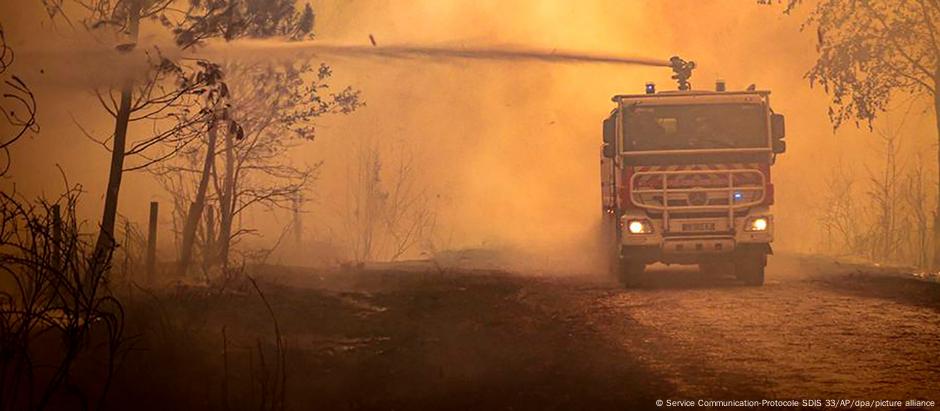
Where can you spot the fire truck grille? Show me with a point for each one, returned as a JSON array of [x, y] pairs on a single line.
[[698, 187]]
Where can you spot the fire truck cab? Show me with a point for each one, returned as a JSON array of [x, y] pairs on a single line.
[[686, 179]]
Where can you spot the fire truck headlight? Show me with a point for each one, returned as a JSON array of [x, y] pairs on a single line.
[[639, 226], [757, 224]]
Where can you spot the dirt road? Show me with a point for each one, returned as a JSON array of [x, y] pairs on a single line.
[[490, 340], [495, 340]]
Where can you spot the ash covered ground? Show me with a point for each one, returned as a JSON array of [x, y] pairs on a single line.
[[422, 336]]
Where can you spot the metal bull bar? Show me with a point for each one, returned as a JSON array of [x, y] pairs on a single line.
[[729, 190]]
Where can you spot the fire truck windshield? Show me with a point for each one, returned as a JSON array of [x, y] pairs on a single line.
[[689, 127]]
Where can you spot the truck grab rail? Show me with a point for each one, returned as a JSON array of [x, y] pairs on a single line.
[[730, 191]]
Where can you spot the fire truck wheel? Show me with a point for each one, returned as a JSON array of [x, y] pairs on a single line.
[[749, 268], [630, 271]]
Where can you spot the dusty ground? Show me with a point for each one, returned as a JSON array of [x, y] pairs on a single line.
[[494, 340]]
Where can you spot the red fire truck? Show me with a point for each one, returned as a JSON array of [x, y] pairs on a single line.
[[686, 179]]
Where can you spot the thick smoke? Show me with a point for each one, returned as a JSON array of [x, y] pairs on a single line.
[[508, 147]]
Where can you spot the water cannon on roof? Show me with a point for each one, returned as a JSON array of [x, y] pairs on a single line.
[[683, 70]]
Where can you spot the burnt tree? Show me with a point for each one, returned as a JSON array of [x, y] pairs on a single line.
[[118, 23]]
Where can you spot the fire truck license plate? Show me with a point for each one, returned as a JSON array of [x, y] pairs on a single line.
[[698, 227]]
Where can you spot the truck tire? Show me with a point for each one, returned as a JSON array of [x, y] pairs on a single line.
[[749, 268]]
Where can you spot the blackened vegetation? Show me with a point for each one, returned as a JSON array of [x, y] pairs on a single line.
[[119, 23], [191, 21], [233, 19], [17, 104], [59, 319], [382, 339], [62, 326], [269, 111], [177, 96], [211, 348]]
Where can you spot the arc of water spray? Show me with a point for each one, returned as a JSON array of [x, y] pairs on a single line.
[[432, 52]]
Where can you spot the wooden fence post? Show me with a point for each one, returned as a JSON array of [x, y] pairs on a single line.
[[152, 243], [208, 257]]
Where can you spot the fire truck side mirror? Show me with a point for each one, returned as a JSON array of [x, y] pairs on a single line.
[[610, 137], [778, 131]]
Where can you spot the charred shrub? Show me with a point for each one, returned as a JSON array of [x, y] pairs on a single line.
[[58, 319]]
